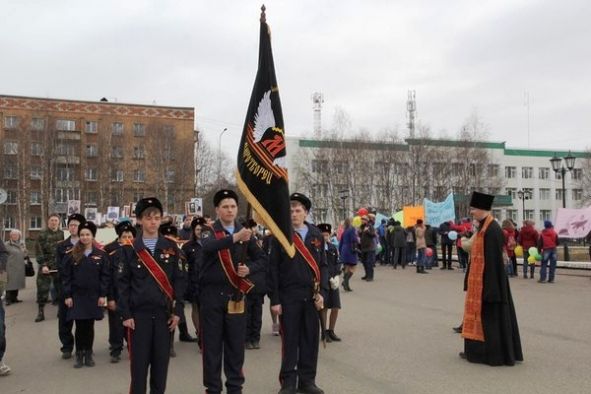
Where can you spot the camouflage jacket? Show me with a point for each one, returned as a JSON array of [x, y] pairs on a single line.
[[46, 247]]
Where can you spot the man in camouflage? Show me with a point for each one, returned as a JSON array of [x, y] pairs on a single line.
[[45, 249]]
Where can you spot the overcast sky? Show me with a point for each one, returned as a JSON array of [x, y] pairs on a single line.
[[364, 56]]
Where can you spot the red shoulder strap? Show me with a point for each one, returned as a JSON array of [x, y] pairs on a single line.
[[242, 284], [301, 248], [156, 271]]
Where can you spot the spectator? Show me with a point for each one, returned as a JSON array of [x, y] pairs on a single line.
[[397, 244], [421, 245], [411, 249], [548, 242], [368, 247], [15, 267], [446, 245], [510, 244], [4, 369], [528, 237]]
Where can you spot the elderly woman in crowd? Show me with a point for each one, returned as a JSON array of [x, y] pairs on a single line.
[[15, 267]]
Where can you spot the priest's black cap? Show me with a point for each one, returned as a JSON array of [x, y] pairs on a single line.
[[224, 193], [76, 216], [124, 226], [325, 227], [198, 221], [89, 226], [302, 199], [168, 229], [481, 201], [146, 203]]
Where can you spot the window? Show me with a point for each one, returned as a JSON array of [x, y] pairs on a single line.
[[36, 149], [65, 149], [170, 176], [320, 190], [117, 175], [557, 175], [529, 192], [511, 191], [138, 152], [527, 172], [35, 223], [494, 191], [493, 170], [319, 166], [36, 172], [457, 168], [11, 122], [117, 152], [340, 167], [512, 214], [65, 125], [559, 194], [10, 197], [543, 172], [545, 215], [577, 174], [91, 127], [138, 196], [117, 128], [35, 198], [10, 170], [320, 215], [544, 194], [529, 214], [65, 173], [9, 222], [92, 150], [577, 194], [37, 124], [510, 172], [10, 147], [63, 195], [139, 176], [139, 130], [91, 174], [472, 169], [91, 198]]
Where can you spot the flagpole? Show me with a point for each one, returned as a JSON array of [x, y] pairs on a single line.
[[263, 15]]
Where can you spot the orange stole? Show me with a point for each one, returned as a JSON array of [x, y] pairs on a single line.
[[472, 326]]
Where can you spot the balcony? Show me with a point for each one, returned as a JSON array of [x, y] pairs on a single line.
[[68, 135], [67, 159]]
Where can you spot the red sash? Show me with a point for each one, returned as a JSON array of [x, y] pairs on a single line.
[[156, 271], [242, 284], [301, 247]]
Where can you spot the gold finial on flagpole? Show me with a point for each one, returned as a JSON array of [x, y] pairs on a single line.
[[263, 16]]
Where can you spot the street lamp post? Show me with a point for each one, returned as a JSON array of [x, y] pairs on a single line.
[[559, 168], [523, 195], [344, 194]]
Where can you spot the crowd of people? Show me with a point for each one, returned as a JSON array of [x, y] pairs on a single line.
[[224, 268]]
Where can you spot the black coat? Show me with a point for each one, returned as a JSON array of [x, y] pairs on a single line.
[[113, 251], [62, 248], [292, 279], [502, 345], [193, 251], [332, 260], [139, 293], [212, 272], [85, 281]]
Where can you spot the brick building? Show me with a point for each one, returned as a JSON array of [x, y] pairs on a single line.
[[99, 153]]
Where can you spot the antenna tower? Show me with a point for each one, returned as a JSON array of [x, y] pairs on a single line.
[[411, 107], [317, 101]]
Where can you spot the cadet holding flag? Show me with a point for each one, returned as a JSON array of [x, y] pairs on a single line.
[[151, 284]]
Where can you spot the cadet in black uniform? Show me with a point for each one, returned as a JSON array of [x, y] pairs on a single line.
[[229, 255], [125, 235], [194, 255], [63, 247], [85, 276], [151, 283], [295, 297], [332, 298], [255, 300]]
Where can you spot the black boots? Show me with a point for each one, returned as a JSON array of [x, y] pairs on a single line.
[[88, 361], [40, 314], [184, 334], [421, 270], [331, 336], [79, 359], [346, 278]]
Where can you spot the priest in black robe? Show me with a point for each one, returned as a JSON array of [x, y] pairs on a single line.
[[490, 331]]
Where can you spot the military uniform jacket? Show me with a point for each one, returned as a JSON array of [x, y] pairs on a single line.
[[212, 272], [62, 248], [46, 248], [193, 251], [139, 293], [292, 279], [85, 281], [113, 251], [332, 260]]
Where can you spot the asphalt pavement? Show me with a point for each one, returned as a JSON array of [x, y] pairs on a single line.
[[397, 338]]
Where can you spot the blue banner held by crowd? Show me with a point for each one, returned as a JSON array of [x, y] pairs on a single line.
[[439, 212]]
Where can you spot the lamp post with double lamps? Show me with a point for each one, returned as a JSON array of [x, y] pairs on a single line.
[[343, 195], [558, 168], [523, 195]]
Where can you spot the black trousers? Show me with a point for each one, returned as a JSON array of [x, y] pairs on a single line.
[[399, 257], [84, 334], [300, 329], [254, 317], [446, 254], [65, 326], [116, 333], [149, 347], [11, 295], [222, 338]]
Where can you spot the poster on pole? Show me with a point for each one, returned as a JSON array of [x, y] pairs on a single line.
[[196, 207], [412, 214], [90, 215], [112, 214], [73, 207]]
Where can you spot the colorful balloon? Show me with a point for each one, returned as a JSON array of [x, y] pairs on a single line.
[[538, 257], [356, 222], [453, 235], [362, 212], [533, 251], [531, 260], [428, 252], [519, 251]]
